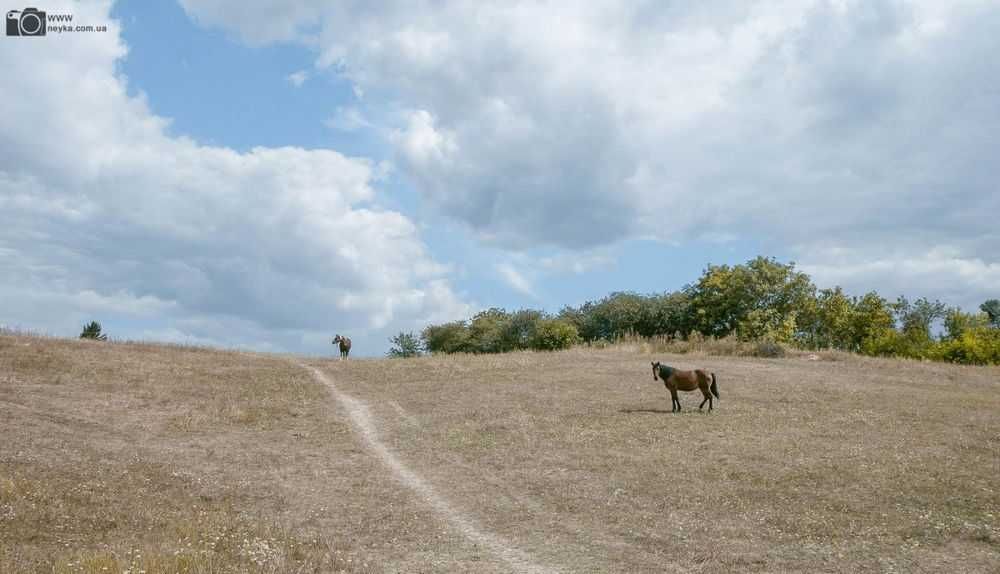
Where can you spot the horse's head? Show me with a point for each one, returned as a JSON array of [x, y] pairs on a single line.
[[337, 339], [656, 369]]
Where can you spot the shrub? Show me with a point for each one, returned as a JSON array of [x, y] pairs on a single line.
[[554, 334], [93, 331], [767, 324], [957, 322], [448, 338], [769, 348], [486, 331], [754, 298], [519, 330], [913, 344], [992, 310], [404, 345], [916, 318], [975, 346], [871, 318]]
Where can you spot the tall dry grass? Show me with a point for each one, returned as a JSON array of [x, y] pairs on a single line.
[[136, 457], [698, 345]]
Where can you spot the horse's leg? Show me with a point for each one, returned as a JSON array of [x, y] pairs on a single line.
[[677, 400], [703, 387]]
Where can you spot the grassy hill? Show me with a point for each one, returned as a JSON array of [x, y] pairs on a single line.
[[133, 457]]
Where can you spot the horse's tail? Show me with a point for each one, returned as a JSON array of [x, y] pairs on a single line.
[[715, 388]]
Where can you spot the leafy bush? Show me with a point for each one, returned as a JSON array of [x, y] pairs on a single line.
[[956, 323], [916, 318], [404, 345], [554, 334], [486, 331], [769, 348], [767, 324], [912, 344], [625, 313], [519, 329], [992, 310], [93, 331], [975, 346], [447, 338], [756, 297], [871, 318]]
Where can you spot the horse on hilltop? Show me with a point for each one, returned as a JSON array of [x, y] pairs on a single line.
[[345, 346], [677, 380]]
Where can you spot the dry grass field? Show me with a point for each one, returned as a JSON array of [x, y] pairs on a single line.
[[144, 458]]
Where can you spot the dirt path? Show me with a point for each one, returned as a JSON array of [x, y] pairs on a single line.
[[362, 421]]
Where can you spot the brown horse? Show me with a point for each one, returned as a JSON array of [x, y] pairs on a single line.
[[345, 346], [677, 380]]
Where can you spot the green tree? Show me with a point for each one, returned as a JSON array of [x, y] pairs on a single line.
[[975, 346], [92, 331], [519, 329], [554, 334], [585, 319], [670, 313], [759, 298], [623, 313], [915, 319], [486, 330], [957, 322], [872, 319], [992, 310], [447, 338], [768, 324], [833, 320], [404, 345]]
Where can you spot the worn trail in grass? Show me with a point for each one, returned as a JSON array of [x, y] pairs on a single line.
[[361, 418]]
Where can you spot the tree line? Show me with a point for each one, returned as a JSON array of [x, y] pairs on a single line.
[[760, 300]]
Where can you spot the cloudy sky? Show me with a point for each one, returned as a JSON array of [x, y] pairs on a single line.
[[266, 174]]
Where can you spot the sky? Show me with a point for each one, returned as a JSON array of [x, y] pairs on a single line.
[[264, 175]]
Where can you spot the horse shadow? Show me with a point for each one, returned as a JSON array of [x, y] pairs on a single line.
[[646, 411]]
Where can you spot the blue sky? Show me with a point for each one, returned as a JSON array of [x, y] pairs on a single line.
[[263, 176]]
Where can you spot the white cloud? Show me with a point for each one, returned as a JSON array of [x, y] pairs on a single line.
[[515, 279], [576, 262], [421, 143], [801, 125], [347, 119], [298, 78], [939, 273], [103, 214]]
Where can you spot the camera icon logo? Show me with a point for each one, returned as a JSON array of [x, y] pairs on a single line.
[[27, 22]]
